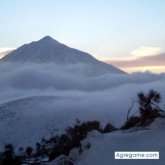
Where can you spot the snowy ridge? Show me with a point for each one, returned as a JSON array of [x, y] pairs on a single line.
[[48, 50], [103, 147]]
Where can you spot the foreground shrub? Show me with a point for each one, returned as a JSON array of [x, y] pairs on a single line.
[[29, 151], [79, 131], [72, 138], [8, 156], [109, 128], [131, 122], [148, 106], [148, 109]]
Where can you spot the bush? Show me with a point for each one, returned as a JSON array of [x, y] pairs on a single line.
[[80, 130], [148, 109], [29, 150], [8, 156], [148, 106], [62, 145], [131, 122], [109, 128]]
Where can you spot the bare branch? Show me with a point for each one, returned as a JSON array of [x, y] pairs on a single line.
[[132, 105]]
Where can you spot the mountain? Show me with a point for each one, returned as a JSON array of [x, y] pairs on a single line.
[[48, 50]]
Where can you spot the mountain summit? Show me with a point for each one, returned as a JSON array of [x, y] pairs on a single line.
[[48, 50]]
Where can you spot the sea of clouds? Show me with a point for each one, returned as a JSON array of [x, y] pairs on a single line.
[[110, 93], [46, 94]]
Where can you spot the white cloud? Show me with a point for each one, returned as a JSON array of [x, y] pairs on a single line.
[[63, 78], [67, 42], [4, 51], [142, 59], [146, 51]]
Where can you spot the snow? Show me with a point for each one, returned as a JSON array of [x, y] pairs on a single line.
[[48, 50], [46, 85], [62, 159], [102, 149], [34, 117]]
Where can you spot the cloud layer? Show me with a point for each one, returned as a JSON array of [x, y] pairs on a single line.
[[142, 59], [5, 51], [157, 60], [47, 77], [71, 77], [146, 51], [64, 94]]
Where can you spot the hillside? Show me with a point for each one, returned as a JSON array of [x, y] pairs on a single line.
[[103, 147]]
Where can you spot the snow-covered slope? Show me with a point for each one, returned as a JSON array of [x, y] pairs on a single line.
[[29, 119], [48, 50], [103, 147]]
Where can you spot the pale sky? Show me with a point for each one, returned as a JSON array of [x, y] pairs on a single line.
[[108, 29]]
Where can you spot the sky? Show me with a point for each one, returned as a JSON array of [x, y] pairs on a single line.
[[125, 33]]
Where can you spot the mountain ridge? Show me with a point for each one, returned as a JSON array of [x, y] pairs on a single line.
[[48, 50]]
